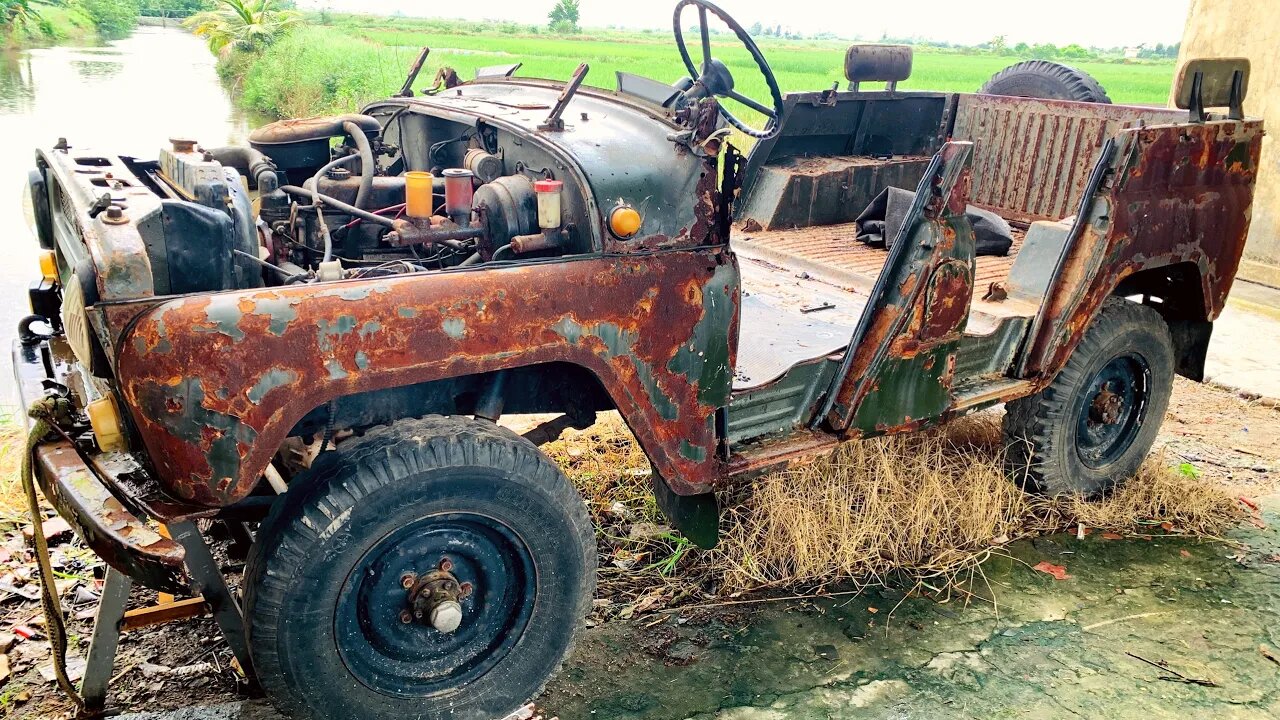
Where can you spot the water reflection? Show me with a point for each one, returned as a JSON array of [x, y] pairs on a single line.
[[16, 89], [127, 97]]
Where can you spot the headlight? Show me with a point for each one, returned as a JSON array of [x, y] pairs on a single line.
[[75, 322]]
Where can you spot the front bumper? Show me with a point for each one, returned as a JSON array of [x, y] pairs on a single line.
[[100, 516]]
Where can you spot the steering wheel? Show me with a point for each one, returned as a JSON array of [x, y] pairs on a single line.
[[714, 78]]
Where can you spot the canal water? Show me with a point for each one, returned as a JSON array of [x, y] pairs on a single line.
[[127, 97]]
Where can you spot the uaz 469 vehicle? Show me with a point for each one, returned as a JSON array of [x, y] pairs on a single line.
[[317, 334]]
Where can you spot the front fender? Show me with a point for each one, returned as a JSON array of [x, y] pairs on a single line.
[[214, 383]]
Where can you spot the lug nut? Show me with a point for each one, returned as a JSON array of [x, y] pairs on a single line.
[[464, 589], [446, 564], [406, 617], [407, 580]]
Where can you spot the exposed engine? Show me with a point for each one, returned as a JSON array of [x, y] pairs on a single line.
[[334, 201]]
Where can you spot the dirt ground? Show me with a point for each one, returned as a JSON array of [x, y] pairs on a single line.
[[1227, 439]]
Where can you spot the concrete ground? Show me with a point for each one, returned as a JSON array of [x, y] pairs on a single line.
[[1207, 612], [1244, 353]]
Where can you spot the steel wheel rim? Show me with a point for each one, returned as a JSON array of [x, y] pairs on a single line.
[[1114, 410], [412, 659]]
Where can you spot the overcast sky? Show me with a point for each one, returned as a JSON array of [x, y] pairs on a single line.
[[1101, 23]]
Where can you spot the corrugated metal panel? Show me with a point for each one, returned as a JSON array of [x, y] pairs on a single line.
[[835, 248], [1032, 157]]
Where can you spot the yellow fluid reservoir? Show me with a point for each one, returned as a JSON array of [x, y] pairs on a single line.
[[104, 418], [418, 194]]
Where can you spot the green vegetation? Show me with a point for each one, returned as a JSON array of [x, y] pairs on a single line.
[[244, 25], [563, 18], [337, 62], [113, 18], [30, 22], [174, 8]]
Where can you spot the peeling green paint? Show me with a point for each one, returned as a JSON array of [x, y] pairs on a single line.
[[620, 343], [336, 371], [407, 312], [362, 360], [179, 409], [360, 292], [329, 332], [692, 452], [455, 328], [225, 315], [705, 359], [274, 378], [371, 327], [280, 310]]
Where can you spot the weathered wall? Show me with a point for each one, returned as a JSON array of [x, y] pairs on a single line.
[[1249, 28]]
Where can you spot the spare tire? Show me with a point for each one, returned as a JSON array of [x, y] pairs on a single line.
[[1048, 80]]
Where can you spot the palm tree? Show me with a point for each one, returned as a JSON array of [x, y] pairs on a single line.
[[242, 24], [17, 13]]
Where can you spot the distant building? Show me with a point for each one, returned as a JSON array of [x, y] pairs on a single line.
[[1132, 53], [1249, 28]]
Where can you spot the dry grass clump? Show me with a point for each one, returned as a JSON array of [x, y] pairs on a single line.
[[13, 441], [921, 502], [926, 505]]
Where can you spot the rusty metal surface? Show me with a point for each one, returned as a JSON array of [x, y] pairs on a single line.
[[772, 455], [832, 253], [117, 250], [111, 531], [215, 383], [901, 367], [1032, 157], [1180, 194]]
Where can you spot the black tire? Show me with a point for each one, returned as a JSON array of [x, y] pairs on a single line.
[[1047, 80], [330, 637], [1073, 438]]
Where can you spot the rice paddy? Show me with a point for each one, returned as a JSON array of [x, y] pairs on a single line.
[[339, 66]]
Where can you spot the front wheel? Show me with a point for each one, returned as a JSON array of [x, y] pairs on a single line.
[[439, 568], [1093, 426]]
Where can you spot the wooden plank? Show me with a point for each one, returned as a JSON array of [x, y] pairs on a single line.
[[164, 613]]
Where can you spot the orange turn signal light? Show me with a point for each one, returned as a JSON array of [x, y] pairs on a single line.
[[49, 266], [625, 221]]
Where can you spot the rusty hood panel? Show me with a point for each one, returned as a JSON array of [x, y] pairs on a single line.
[[216, 382]]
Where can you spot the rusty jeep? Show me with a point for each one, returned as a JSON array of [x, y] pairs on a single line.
[[316, 339]]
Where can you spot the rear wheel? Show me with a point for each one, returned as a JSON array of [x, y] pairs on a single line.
[[1048, 80], [1093, 426], [439, 568]]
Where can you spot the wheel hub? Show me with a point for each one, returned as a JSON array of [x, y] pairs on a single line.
[[435, 598], [1106, 408]]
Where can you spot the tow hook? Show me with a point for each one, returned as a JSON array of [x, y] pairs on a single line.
[[435, 598]]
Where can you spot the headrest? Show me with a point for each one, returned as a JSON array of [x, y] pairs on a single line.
[[877, 63], [1216, 77]]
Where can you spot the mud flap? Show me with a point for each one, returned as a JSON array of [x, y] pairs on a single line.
[[697, 517]]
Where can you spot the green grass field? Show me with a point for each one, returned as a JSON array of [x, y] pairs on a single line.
[[326, 68]]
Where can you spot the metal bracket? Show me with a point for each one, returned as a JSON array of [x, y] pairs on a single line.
[[1235, 104], [554, 121], [407, 90], [206, 579], [1197, 98]]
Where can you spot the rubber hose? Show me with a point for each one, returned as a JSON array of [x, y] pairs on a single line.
[[366, 162]]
